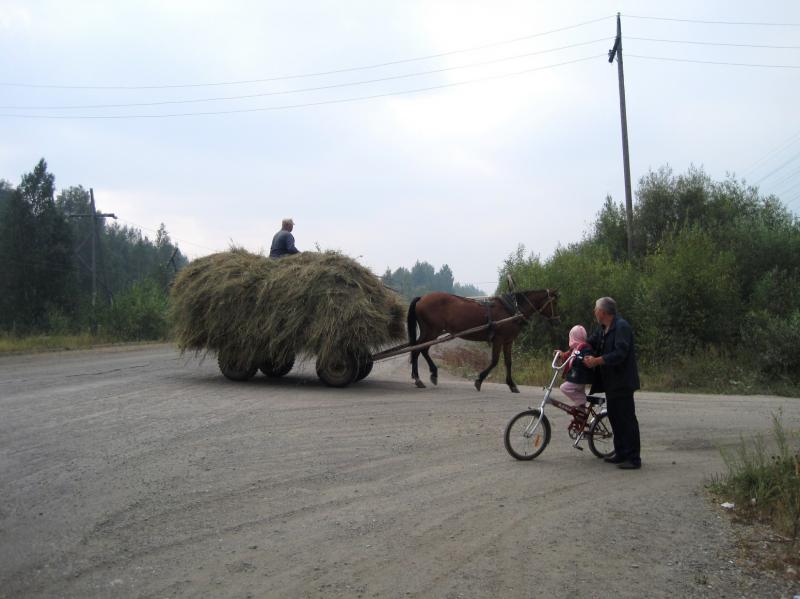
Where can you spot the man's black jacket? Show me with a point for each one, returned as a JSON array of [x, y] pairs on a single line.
[[620, 373]]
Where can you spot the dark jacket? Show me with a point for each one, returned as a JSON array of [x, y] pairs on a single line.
[[619, 374], [578, 372], [282, 245]]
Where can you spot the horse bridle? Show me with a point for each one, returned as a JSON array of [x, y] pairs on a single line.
[[551, 297]]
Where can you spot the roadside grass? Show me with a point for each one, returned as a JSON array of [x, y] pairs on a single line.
[[35, 343], [763, 483], [710, 372]]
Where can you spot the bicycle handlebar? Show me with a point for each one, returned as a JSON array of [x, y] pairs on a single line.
[[555, 359]]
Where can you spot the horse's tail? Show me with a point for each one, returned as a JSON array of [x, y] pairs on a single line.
[[412, 321]]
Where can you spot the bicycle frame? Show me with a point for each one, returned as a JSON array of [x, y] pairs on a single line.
[[563, 406]]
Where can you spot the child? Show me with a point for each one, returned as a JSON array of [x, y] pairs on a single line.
[[577, 375]]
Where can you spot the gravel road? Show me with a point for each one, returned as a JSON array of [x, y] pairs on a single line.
[[135, 472]]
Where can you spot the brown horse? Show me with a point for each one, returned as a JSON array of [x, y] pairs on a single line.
[[438, 313]]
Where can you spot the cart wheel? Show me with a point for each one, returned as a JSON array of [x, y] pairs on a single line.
[[275, 369], [527, 434], [338, 371], [235, 372], [364, 367], [601, 437]]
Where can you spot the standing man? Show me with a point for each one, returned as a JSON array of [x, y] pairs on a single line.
[[283, 242], [617, 374]]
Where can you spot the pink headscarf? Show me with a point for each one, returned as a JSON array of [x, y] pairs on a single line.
[[577, 336]]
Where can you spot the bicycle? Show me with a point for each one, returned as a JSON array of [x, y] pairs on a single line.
[[528, 433]]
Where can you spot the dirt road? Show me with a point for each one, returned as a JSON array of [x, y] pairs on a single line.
[[138, 473]]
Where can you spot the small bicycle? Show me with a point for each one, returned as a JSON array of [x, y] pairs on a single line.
[[528, 433]]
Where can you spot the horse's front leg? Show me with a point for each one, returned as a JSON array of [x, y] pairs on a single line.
[[507, 360], [415, 369], [495, 360]]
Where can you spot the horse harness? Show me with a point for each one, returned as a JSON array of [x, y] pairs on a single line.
[[510, 301]]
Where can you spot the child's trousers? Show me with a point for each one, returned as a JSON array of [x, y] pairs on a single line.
[[575, 392]]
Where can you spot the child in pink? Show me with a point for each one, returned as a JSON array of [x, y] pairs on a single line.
[[577, 375]]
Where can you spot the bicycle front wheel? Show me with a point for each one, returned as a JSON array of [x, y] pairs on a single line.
[[527, 434], [601, 437]]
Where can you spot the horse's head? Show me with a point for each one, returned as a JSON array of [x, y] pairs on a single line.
[[543, 302]]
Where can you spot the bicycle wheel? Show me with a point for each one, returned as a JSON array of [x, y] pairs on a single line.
[[601, 437], [527, 434]]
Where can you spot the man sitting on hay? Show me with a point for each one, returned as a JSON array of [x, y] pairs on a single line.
[[283, 242]]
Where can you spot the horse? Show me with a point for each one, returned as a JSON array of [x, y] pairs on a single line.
[[439, 312]]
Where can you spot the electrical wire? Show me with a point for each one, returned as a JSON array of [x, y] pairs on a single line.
[[315, 74], [171, 237], [786, 178], [307, 104], [705, 22], [778, 168], [716, 62], [705, 43], [309, 89], [779, 148]]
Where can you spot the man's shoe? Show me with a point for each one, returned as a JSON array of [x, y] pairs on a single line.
[[628, 465], [614, 459]]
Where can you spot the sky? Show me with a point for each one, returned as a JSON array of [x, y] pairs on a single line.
[[494, 124]]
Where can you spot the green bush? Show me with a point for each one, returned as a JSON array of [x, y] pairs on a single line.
[[771, 342], [138, 314], [689, 295]]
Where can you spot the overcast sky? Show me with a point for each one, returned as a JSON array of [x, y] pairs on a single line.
[[507, 146]]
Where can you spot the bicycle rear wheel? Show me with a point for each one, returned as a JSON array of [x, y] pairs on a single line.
[[601, 437], [527, 434]]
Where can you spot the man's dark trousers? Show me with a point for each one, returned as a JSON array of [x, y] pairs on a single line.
[[622, 416]]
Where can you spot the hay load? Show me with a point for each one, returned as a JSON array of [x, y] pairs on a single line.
[[255, 312]]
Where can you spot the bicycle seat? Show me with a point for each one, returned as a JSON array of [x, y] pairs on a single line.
[[595, 400]]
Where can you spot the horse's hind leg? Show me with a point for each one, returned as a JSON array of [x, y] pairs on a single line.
[[431, 366], [415, 369], [495, 360], [507, 360]]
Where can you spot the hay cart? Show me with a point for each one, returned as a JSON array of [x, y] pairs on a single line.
[[260, 314]]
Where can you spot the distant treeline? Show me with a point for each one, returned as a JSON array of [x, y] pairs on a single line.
[[424, 278], [712, 288], [45, 265]]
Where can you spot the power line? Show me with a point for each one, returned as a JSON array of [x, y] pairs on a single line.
[[307, 104], [786, 178], [790, 190], [705, 43], [704, 22], [732, 64], [780, 147], [309, 89], [778, 168], [315, 74], [171, 237]]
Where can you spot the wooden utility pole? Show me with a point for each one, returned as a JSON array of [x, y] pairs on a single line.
[[95, 239], [616, 51]]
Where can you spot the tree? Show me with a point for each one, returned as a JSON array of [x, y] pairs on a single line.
[[443, 280], [37, 250]]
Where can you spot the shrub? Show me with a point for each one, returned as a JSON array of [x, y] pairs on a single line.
[[138, 314]]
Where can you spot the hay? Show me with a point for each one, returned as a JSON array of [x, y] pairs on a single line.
[[249, 308]]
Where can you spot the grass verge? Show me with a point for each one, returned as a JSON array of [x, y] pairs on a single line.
[[10, 344], [710, 372], [763, 483]]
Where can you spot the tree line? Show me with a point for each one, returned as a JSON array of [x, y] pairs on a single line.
[[712, 288], [423, 278], [45, 265]]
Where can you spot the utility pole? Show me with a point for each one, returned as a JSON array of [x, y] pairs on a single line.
[[95, 239], [616, 51]]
